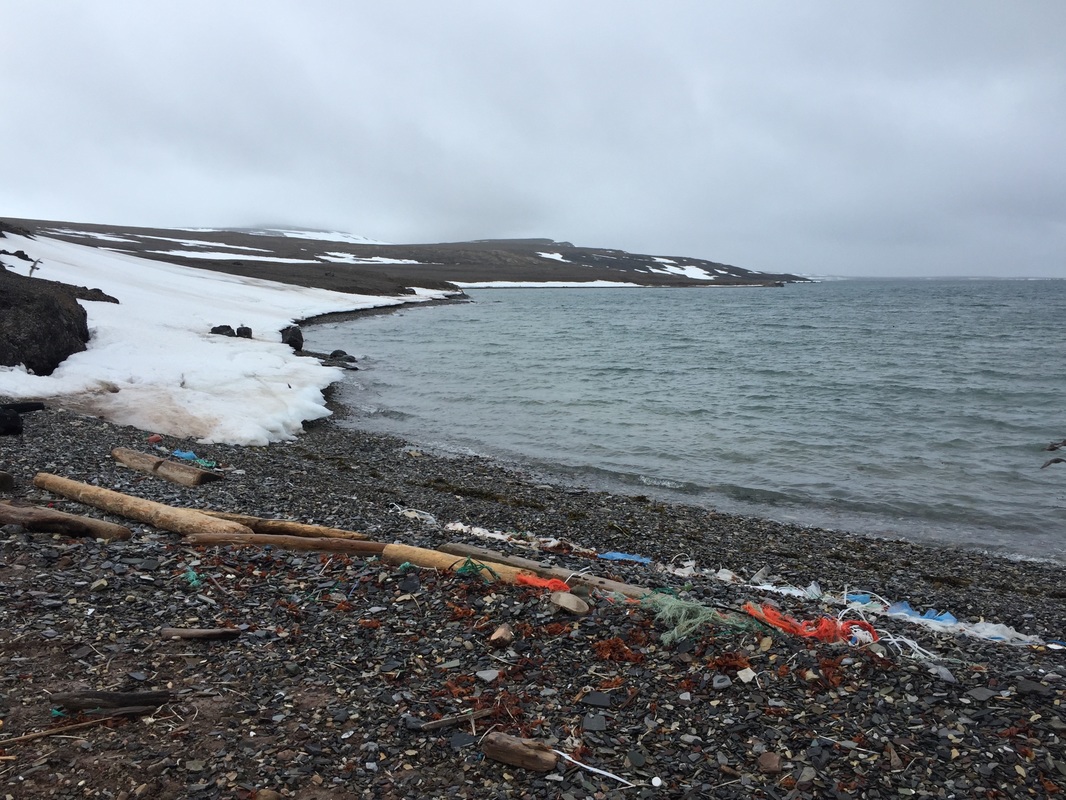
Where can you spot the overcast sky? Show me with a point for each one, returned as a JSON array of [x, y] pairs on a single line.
[[897, 138]]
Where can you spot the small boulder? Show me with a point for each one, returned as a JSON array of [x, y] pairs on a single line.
[[10, 422], [223, 330], [244, 332], [293, 337]]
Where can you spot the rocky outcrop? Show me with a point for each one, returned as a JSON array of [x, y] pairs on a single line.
[[293, 337], [41, 322]]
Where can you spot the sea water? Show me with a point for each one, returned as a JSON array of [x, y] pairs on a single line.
[[913, 408]]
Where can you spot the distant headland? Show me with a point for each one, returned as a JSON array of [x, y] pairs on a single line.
[[349, 263]]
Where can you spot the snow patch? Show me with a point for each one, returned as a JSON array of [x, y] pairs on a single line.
[[151, 362]]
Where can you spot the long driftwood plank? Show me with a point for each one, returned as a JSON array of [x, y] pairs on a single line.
[[285, 527], [317, 544], [544, 570], [178, 520], [401, 553], [37, 518], [173, 471]]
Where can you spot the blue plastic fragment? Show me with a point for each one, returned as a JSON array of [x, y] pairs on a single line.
[[903, 607], [613, 556], [188, 455], [859, 598], [944, 616]]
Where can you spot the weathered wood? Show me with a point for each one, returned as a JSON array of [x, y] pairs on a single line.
[[285, 527], [36, 518], [400, 553], [199, 633], [178, 520], [524, 753], [81, 701], [173, 471], [545, 570], [121, 711], [317, 544], [444, 722], [473, 551], [29, 737]]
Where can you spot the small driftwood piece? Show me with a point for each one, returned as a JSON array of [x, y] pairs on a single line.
[[85, 701], [396, 554], [545, 570], [285, 527], [48, 520], [199, 633], [525, 753], [173, 471], [29, 737], [177, 520], [444, 722], [316, 544]]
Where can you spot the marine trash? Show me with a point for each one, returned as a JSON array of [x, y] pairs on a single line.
[[614, 556], [825, 629], [189, 455], [554, 584], [904, 608], [685, 617], [413, 513]]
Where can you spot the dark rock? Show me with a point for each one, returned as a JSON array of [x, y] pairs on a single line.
[[594, 722], [341, 355], [244, 332], [597, 699], [293, 337], [41, 323], [10, 422], [223, 330], [7, 481]]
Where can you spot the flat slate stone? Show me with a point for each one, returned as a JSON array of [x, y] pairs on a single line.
[[594, 722], [597, 699]]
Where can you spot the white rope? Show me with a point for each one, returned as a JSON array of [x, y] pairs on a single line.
[[603, 772]]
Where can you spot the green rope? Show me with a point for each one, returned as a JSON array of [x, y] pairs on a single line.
[[684, 617], [471, 567]]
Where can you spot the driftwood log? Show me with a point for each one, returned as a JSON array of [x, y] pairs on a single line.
[[525, 753], [396, 554], [317, 544], [545, 570], [200, 633], [178, 520], [36, 518], [285, 527], [173, 471]]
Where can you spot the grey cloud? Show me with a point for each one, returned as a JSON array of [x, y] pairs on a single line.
[[909, 138]]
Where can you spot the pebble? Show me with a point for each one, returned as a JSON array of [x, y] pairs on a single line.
[[331, 642]]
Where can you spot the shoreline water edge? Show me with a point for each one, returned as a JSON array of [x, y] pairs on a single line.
[[733, 679]]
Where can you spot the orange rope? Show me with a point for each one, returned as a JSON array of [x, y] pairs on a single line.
[[825, 629], [554, 584]]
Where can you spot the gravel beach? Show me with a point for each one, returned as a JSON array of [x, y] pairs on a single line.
[[341, 661]]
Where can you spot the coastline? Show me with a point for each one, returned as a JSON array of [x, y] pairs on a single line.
[[327, 697]]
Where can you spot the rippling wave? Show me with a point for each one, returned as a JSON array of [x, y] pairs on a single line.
[[911, 408]]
